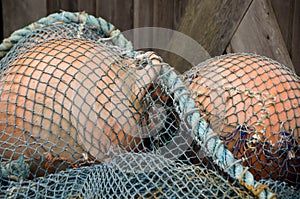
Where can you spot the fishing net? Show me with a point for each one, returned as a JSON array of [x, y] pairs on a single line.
[[82, 115], [131, 176], [253, 104]]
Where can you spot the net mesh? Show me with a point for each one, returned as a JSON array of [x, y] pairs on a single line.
[[253, 102], [81, 117], [131, 176]]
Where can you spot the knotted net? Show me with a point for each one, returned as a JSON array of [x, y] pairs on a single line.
[[82, 115], [252, 102]]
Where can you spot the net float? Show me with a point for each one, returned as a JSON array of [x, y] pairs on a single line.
[[67, 100], [253, 103]]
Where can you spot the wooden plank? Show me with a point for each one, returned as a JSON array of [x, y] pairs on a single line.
[[163, 16], [143, 13], [1, 22], [212, 23], [179, 10], [69, 5], [166, 14], [284, 14], [17, 14], [53, 6], [163, 13], [176, 61], [259, 33], [58, 5], [295, 51], [117, 12], [143, 17], [89, 6]]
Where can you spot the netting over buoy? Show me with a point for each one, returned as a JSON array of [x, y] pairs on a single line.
[[253, 102], [82, 115]]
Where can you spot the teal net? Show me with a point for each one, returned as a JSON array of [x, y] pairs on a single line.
[[82, 115]]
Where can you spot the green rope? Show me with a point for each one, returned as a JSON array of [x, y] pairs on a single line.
[[108, 30], [207, 138]]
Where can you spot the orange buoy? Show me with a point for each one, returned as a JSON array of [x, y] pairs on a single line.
[[254, 104], [64, 98]]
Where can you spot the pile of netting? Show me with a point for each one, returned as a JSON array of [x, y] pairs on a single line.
[[83, 115]]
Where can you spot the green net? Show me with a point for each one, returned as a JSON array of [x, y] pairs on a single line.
[[253, 102], [82, 115]]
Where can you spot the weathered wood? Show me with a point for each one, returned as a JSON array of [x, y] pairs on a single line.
[[163, 16], [58, 5], [212, 23], [259, 33], [296, 37], [186, 52], [89, 6], [178, 62], [143, 17], [17, 14], [117, 12], [69, 5], [283, 11], [288, 14], [1, 22], [163, 13], [53, 6], [179, 10], [143, 13]]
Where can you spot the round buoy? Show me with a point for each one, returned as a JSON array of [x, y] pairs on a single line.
[[67, 97], [254, 104]]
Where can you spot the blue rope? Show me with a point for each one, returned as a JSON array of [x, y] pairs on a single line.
[[107, 29], [208, 139]]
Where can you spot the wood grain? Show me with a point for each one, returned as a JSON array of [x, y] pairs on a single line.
[[283, 11], [143, 13], [295, 54], [53, 6], [1, 22], [69, 5], [89, 6], [163, 13], [58, 5], [179, 10], [143, 17], [117, 12], [17, 14], [212, 23], [259, 33]]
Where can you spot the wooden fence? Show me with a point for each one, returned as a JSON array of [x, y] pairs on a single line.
[[266, 27]]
